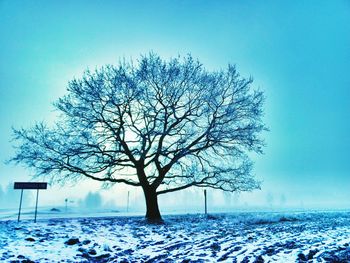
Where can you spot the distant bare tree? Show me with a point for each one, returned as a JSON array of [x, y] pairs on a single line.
[[92, 200], [160, 125]]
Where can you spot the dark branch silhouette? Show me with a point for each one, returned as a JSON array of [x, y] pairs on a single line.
[[161, 125]]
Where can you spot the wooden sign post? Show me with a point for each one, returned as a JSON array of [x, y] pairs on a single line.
[[29, 186], [127, 202], [205, 201]]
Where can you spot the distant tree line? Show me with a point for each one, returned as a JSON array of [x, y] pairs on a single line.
[[9, 198]]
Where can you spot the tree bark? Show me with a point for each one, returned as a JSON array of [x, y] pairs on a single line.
[[152, 212]]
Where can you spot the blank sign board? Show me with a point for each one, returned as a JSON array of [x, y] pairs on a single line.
[[30, 185]]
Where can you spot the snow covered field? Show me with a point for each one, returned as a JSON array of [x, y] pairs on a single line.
[[238, 237]]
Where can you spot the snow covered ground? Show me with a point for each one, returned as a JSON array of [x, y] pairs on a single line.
[[236, 237]]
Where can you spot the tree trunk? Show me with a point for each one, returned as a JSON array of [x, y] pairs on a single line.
[[152, 213]]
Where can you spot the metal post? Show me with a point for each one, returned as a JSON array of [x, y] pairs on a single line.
[[127, 203], [205, 201], [20, 206], [36, 204]]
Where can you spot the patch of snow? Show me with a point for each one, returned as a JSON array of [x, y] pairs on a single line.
[[237, 237]]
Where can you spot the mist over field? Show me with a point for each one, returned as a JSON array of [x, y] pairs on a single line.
[[299, 60]]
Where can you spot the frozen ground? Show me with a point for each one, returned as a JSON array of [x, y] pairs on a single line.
[[238, 237]]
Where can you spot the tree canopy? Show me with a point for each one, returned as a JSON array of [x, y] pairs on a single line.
[[161, 125]]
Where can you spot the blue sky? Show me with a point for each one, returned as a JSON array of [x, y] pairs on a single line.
[[297, 51]]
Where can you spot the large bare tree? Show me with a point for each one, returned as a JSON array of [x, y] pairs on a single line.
[[160, 125]]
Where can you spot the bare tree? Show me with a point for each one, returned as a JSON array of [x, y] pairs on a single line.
[[160, 125]]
